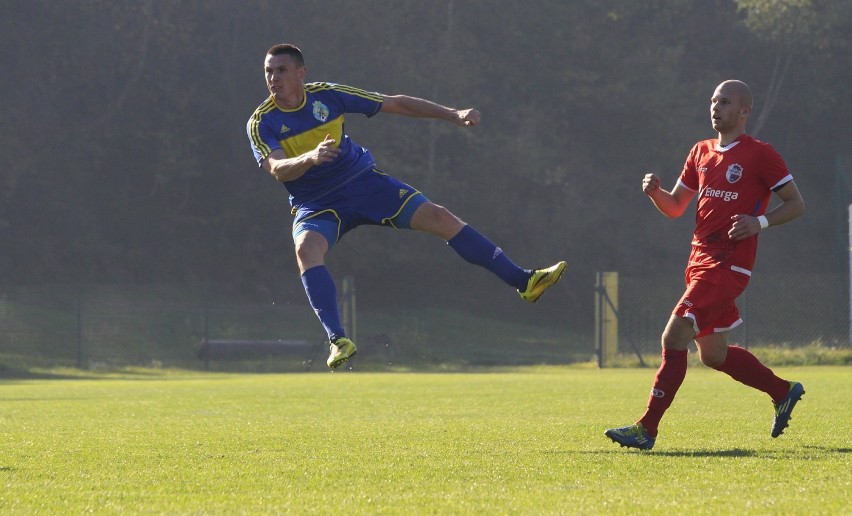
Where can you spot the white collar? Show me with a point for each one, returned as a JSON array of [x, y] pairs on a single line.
[[726, 147]]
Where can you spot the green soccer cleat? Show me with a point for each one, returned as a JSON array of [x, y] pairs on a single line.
[[540, 280], [341, 350], [633, 436], [784, 408]]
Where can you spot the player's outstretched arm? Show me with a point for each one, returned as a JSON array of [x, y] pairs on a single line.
[[671, 204], [422, 108]]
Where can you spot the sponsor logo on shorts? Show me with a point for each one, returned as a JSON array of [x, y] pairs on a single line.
[[402, 192], [657, 393]]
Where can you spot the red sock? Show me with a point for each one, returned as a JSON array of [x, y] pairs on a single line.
[[668, 380], [745, 368]]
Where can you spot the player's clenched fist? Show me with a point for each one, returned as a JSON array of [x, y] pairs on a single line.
[[326, 151], [468, 117], [650, 184]]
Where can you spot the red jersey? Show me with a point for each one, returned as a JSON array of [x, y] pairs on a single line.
[[731, 180]]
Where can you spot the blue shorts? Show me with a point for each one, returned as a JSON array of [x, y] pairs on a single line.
[[374, 198]]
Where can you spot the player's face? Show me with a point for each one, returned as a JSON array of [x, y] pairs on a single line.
[[285, 80], [727, 111]]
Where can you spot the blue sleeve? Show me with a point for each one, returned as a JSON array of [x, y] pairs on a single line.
[[263, 141], [356, 100]]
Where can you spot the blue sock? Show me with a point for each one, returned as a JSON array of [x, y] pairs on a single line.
[[322, 294], [471, 245]]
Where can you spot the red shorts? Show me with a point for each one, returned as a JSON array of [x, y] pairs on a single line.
[[710, 299]]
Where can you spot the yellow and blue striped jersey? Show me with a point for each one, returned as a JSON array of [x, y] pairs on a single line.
[[300, 130]]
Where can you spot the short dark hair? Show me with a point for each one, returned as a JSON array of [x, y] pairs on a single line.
[[287, 48]]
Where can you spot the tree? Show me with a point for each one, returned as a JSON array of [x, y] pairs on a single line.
[[795, 28]]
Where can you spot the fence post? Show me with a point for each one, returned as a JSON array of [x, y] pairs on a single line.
[[348, 308], [606, 319], [79, 328], [606, 316]]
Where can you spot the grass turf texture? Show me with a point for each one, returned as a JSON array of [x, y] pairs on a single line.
[[525, 441]]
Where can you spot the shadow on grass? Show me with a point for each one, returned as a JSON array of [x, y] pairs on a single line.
[[824, 449], [795, 453], [736, 452], [7, 375], [12, 375]]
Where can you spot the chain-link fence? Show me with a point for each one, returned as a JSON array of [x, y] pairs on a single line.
[[165, 326], [161, 326], [792, 309]]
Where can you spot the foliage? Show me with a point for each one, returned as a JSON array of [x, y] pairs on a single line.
[[128, 161], [772, 356], [810, 23]]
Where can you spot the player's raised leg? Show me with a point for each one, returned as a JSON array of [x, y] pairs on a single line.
[[475, 248]]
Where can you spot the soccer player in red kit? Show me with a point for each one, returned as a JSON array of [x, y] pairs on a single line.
[[734, 176]]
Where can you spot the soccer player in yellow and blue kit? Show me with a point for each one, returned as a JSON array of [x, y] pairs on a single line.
[[297, 135]]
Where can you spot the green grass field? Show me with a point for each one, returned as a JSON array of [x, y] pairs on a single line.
[[525, 441]]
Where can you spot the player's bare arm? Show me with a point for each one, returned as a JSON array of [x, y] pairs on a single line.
[[792, 206], [673, 203], [287, 169], [422, 108]]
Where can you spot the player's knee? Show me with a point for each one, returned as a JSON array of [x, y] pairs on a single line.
[[439, 215], [712, 356], [450, 221], [303, 253], [678, 334], [436, 219], [668, 342], [309, 253], [711, 360]]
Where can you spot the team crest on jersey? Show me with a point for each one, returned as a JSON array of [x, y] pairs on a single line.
[[734, 173], [320, 111]]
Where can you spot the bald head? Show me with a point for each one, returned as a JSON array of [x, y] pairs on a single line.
[[736, 89], [730, 108]]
